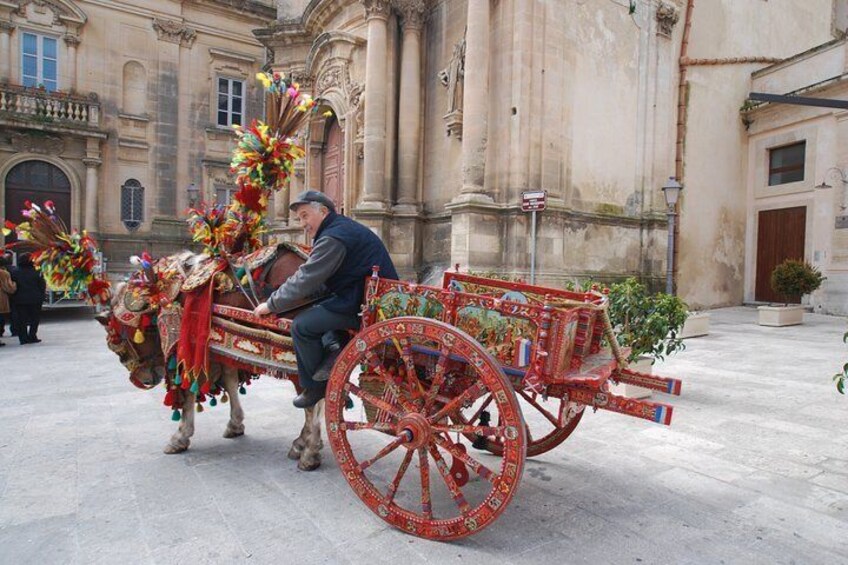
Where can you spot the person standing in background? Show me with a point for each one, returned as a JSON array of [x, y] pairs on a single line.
[[27, 299], [7, 287]]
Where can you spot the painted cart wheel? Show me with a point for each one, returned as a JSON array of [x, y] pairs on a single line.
[[399, 447], [548, 422]]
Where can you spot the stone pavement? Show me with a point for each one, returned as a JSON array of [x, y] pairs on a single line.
[[754, 468]]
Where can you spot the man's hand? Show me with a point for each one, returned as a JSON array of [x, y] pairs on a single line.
[[262, 310]]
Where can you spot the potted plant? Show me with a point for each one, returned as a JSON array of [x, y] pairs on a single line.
[[650, 325], [791, 280]]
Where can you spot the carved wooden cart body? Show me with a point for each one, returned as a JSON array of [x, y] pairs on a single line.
[[505, 369]]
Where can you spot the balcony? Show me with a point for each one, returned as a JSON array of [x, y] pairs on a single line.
[[51, 111]]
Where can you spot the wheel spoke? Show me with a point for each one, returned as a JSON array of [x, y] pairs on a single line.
[[383, 452], [393, 487], [412, 382], [379, 426], [438, 377], [424, 466], [378, 369], [453, 488], [479, 468], [373, 400], [483, 406], [476, 430], [470, 395], [550, 417]]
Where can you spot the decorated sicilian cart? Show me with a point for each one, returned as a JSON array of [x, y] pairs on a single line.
[[433, 404]]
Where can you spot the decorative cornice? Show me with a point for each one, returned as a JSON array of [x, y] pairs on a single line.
[[174, 32], [92, 163], [379, 9], [413, 12], [6, 26], [667, 16], [63, 11], [300, 76], [45, 144]]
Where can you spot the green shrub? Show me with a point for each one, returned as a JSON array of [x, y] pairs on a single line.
[[648, 324], [795, 278]]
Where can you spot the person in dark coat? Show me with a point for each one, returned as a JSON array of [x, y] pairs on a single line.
[[343, 254], [27, 299], [7, 287]]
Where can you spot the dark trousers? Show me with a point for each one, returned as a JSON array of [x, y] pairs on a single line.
[[27, 317], [3, 319], [308, 329]]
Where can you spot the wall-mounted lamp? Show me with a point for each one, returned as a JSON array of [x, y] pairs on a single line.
[[842, 177], [193, 193]]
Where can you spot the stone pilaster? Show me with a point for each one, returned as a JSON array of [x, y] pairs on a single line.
[[6, 56], [92, 180], [409, 135], [374, 192], [72, 41], [475, 102]]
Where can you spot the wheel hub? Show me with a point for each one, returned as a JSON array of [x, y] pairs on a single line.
[[417, 430]]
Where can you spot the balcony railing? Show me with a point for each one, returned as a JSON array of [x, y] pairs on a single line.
[[42, 106]]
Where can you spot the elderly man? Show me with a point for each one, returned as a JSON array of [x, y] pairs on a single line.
[[342, 257]]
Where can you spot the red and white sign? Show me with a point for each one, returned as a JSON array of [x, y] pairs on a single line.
[[534, 200]]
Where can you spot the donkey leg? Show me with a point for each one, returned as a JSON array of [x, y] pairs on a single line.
[[311, 457], [299, 444], [182, 438], [235, 427]]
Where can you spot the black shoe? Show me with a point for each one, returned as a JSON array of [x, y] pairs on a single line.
[[322, 375], [309, 397], [2, 344], [35, 340]]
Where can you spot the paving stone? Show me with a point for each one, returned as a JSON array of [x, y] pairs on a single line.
[[753, 469]]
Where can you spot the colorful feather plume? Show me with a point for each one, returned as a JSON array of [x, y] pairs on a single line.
[[263, 161], [67, 259]]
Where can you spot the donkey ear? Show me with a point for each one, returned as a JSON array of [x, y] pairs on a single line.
[[103, 317]]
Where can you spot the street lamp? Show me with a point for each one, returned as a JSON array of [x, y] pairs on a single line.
[[671, 191], [193, 194], [843, 178]]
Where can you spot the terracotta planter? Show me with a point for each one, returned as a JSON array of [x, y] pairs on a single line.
[[697, 325], [641, 365], [780, 315]]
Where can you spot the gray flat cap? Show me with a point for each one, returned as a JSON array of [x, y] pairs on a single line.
[[308, 196]]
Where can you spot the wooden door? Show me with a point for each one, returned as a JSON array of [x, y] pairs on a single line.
[[780, 236], [37, 181], [332, 175]]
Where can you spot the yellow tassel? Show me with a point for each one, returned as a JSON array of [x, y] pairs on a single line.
[[139, 336], [199, 407], [224, 398]]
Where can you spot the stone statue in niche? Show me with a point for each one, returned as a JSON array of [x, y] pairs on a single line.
[[452, 77]]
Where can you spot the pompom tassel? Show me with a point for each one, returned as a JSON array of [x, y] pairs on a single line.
[[225, 398], [199, 407], [138, 337], [195, 388], [213, 401], [176, 416], [242, 390]]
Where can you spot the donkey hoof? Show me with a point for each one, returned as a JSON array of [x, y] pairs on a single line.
[[231, 433], [309, 464], [173, 448], [295, 453]]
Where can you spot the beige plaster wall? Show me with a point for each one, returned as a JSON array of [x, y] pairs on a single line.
[[713, 213]]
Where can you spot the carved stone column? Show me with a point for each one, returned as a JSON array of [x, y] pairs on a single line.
[[475, 100], [6, 56], [72, 41], [377, 14], [92, 180], [409, 135]]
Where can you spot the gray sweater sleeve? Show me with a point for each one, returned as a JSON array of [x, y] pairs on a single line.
[[323, 262]]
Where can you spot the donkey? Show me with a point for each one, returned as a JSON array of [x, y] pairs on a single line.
[[147, 364]]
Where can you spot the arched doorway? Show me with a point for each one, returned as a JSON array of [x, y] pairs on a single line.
[[37, 181], [332, 158]]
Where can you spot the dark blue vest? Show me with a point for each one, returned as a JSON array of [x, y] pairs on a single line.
[[363, 250]]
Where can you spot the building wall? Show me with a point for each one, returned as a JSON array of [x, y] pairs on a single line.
[[153, 70], [714, 213]]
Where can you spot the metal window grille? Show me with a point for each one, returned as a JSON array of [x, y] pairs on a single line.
[[132, 204]]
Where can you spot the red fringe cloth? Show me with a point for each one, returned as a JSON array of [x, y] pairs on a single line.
[[193, 348]]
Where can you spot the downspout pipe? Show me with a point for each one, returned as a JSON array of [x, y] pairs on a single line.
[[682, 115]]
